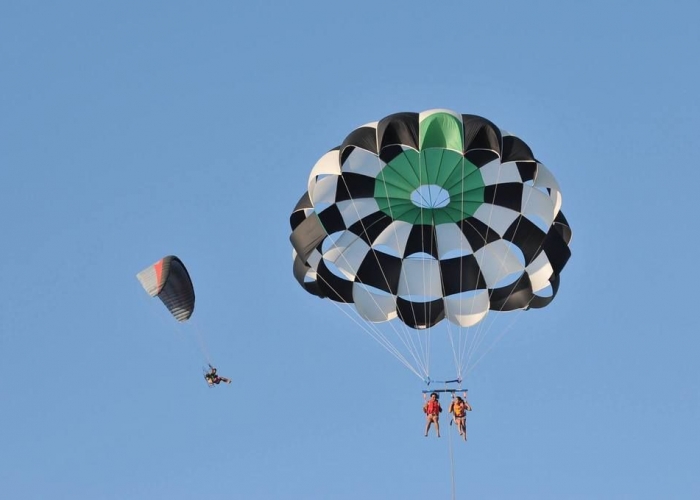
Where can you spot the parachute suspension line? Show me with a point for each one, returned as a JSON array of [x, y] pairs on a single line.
[[411, 341], [480, 331], [470, 332], [201, 340], [515, 318], [160, 318], [493, 344], [483, 330], [423, 348], [463, 333], [374, 333], [455, 351], [422, 246], [406, 338], [418, 348], [177, 327], [369, 327], [381, 339], [168, 321]]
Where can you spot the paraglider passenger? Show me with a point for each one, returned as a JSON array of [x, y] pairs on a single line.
[[214, 378], [458, 408], [432, 411]]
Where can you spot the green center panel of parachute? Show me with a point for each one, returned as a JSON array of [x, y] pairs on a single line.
[[405, 187]]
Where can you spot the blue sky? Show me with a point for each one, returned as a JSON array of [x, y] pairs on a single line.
[[131, 131]]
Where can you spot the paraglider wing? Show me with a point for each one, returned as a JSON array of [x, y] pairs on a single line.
[[169, 280]]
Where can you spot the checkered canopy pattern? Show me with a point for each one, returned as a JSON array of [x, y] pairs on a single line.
[[427, 216]]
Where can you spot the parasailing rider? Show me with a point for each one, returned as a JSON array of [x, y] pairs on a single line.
[[432, 411], [458, 408]]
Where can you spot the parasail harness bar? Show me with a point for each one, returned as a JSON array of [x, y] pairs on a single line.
[[451, 391], [428, 381]]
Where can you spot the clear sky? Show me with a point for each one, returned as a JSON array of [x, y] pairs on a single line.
[[133, 130]]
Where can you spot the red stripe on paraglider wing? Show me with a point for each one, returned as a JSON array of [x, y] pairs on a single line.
[[158, 266]]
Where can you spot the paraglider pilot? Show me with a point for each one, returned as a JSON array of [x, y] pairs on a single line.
[[214, 378]]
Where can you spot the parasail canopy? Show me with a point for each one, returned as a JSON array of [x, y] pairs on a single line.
[[428, 216]]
